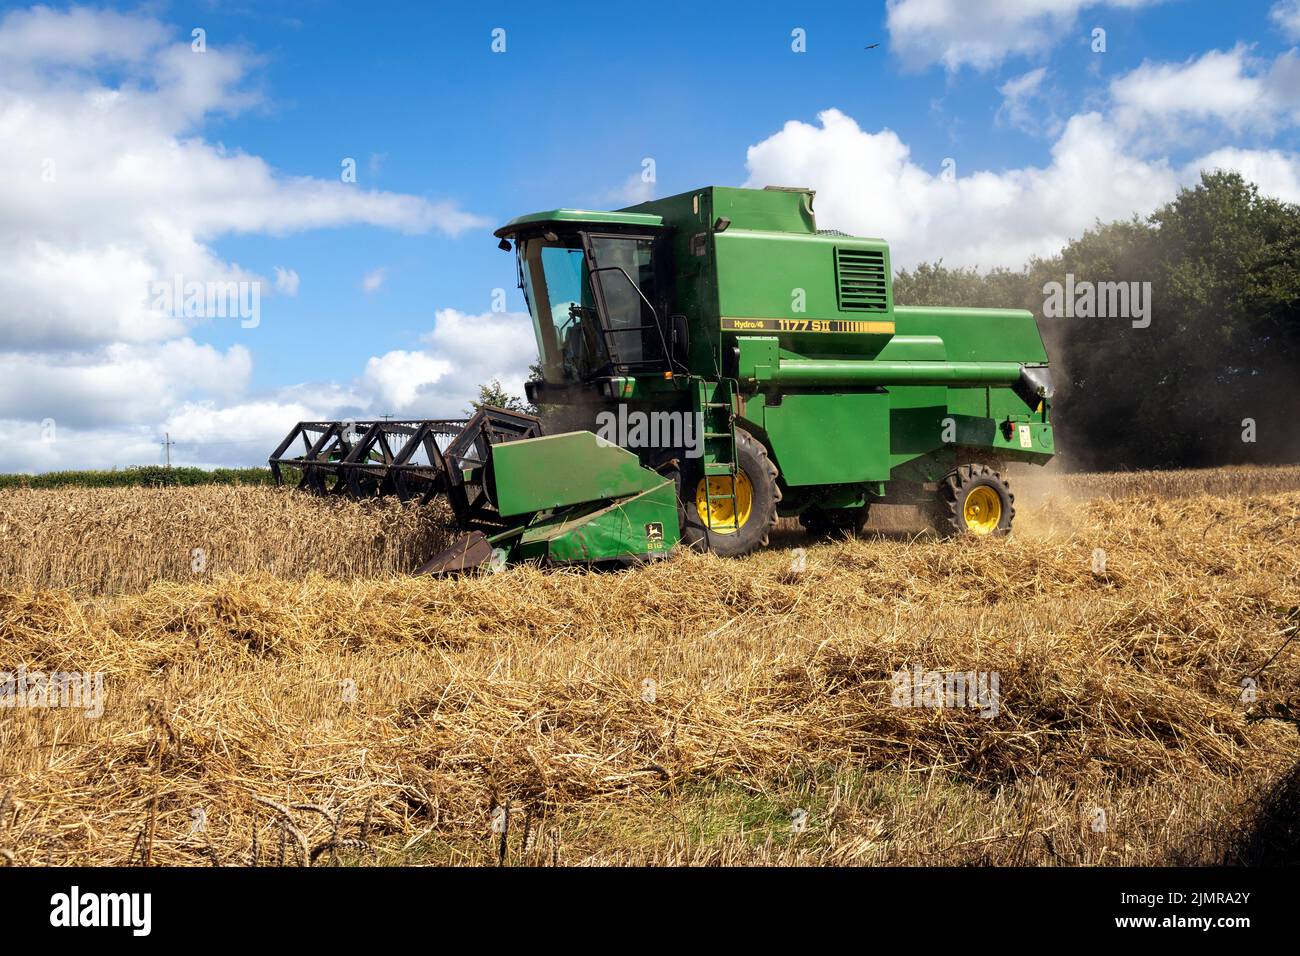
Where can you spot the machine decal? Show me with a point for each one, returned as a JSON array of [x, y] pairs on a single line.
[[807, 325]]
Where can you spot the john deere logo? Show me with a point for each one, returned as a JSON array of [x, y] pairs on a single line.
[[654, 535]]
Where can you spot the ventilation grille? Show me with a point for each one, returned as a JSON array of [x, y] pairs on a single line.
[[860, 280]]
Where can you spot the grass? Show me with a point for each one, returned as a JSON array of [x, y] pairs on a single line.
[[305, 668]]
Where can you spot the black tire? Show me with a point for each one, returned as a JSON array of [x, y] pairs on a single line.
[[955, 517], [834, 522], [758, 470]]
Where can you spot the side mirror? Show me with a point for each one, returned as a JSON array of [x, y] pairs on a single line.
[[681, 338]]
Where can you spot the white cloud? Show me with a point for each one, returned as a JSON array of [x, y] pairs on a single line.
[[286, 281], [960, 33], [373, 280], [399, 378], [1286, 14], [868, 184], [30, 447], [1017, 95], [1167, 100], [1023, 86], [633, 190], [208, 434], [111, 415], [205, 433], [491, 337], [119, 384], [461, 352], [105, 404], [1275, 172], [107, 185], [106, 412], [81, 36], [1210, 85], [437, 380]]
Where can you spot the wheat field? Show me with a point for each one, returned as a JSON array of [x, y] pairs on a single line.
[[299, 699]]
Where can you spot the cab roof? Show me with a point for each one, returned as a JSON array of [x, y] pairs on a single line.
[[587, 216]]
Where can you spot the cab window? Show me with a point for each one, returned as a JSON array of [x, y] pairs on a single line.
[[635, 336]]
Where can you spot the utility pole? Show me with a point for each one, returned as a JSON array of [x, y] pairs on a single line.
[[167, 447]]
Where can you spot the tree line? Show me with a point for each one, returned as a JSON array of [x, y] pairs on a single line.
[[144, 476], [1203, 366]]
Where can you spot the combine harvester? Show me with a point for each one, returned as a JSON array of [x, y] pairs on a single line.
[[770, 351]]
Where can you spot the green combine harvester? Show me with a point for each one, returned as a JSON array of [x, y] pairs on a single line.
[[714, 362]]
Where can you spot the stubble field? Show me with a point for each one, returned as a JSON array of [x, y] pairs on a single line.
[[294, 696]]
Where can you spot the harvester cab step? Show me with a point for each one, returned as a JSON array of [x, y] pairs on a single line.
[[715, 410]]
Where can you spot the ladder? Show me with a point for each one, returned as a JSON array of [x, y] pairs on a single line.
[[713, 402]]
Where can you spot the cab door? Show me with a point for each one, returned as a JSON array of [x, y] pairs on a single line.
[[625, 278]]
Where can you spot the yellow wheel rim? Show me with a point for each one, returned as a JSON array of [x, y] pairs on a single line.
[[982, 510], [718, 514]]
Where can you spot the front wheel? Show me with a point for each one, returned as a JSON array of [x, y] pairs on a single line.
[[711, 521], [975, 499]]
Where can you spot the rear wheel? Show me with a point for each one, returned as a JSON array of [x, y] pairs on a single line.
[[975, 499], [710, 521]]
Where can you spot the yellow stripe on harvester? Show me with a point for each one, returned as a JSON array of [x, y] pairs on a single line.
[[859, 327]]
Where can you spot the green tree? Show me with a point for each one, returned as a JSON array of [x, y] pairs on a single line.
[[937, 284], [1223, 344], [494, 393]]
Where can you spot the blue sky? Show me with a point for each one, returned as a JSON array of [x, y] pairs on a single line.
[[241, 174], [575, 104]]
